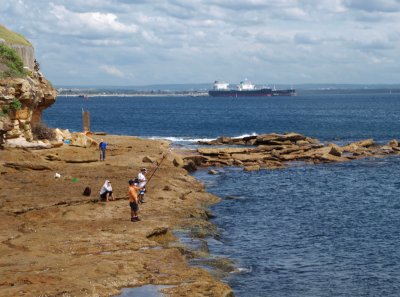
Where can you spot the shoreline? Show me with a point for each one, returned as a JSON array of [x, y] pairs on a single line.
[[57, 241]]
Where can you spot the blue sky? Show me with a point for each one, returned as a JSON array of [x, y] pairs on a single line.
[[122, 42]]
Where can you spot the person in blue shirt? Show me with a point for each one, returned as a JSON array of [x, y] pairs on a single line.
[[102, 148]]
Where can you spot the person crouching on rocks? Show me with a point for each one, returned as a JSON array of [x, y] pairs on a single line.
[[133, 200], [106, 192]]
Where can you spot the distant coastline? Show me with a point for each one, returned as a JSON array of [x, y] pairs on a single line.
[[87, 93]]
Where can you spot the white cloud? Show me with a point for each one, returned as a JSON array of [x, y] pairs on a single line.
[[112, 70], [93, 21], [177, 41]]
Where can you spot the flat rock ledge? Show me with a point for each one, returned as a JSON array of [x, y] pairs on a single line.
[[272, 151]]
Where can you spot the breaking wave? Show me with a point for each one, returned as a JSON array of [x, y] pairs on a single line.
[[188, 140]]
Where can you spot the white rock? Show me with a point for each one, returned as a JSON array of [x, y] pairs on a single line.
[[21, 142]]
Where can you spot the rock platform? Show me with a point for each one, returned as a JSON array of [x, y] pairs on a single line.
[[272, 151]]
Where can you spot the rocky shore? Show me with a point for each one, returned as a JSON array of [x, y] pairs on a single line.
[[271, 151], [57, 242], [54, 241]]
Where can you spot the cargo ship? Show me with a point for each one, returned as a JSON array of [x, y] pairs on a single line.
[[246, 89]]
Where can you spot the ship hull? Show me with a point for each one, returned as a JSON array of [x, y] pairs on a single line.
[[266, 92]]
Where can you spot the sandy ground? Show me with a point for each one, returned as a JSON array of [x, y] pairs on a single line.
[[57, 242]]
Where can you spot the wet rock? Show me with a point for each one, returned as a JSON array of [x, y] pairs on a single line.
[[387, 149], [213, 172], [286, 147], [275, 154], [231, 197], [248, 157], [190, 166], [157, 232], [302, 142], [210, 215], [252, 168], [335, 150], [197, 159], [272, 165], [312, 140], [178, 161], [393, 143], [332, 158], [237, 162], [290, 157], [221, 151]]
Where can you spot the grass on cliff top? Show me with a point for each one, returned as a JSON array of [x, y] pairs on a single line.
[[12, 37], [14, 67]]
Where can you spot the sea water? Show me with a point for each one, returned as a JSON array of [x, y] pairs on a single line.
[[307, 230]]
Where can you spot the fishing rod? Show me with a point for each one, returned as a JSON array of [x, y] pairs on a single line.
[[156, 168]]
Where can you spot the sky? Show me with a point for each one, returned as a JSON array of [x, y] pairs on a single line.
[[139, 42]]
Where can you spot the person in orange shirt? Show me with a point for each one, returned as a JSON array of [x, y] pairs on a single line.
[[133, 200]]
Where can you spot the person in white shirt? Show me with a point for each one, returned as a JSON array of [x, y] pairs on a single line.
[[106, 191], [142, 184]]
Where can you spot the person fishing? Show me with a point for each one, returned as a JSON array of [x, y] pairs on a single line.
[[106, 192], [133, 200], [142, 184], [143, 181]]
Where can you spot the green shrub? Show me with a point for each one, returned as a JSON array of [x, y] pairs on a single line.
[[5, 109], [41, 132], [11, 59], [16, 104]]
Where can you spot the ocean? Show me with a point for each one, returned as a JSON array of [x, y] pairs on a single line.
[[307, 230]]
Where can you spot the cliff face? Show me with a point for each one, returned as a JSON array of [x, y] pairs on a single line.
[[22, 100], [35, 94], [27, 54], [20, 44]]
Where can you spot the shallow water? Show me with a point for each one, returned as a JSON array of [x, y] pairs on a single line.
[[321, 230], [143, 291]]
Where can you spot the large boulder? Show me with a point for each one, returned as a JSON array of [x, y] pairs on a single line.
[[62, 135], [82, 140]]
